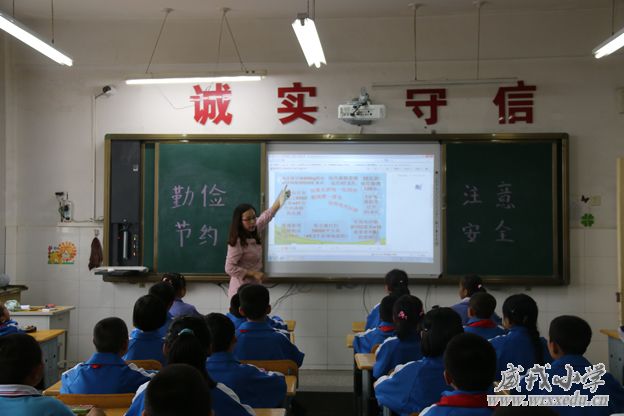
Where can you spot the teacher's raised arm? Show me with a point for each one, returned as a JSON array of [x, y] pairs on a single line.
[[243, 262]]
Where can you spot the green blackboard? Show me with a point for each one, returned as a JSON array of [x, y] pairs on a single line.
[[197, 187], [503, 209]]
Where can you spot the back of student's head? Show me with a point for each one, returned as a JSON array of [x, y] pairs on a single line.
[[407, 313], [178, 389], [164, 291], [483, 304], [521, 310], [472, 284], [188, 342], [20, 355], [221, 331], [254, 301], [470, 361], [235, 305], [571, 333], [396, 282], [385, 308], [439, 326], [176, 280], [149, 314], [110, 335]]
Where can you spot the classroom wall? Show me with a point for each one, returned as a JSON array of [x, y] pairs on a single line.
[[56, 122]]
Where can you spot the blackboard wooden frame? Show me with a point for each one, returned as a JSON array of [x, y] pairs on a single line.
[[561, 139]]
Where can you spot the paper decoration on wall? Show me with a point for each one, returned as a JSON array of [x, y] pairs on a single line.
[[64, 253]]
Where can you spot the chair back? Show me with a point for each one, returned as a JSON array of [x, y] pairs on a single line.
[[98, 400], [286, 367], [146, 364], [375, 348]]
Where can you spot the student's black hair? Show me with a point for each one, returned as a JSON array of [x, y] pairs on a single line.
[[149, 314], [176, 280], [439, 326], [470, 361], [385, 308], [164, 291], [521, 310], [237, 231], [20, 354], [407, 313], [235, 305], [483, 305], [188, 341], [110, 335], [472, 283], [396, 281], [571, 333], [254, 300], [221, 331], [178, 389]]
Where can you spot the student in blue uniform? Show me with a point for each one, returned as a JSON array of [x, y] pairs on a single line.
[[257, 340], [364, 342], [7, 325], [418, 384], [480, 310], [148, 316], [105, 372], [468, 286], [396, 283], [237, 319], [407, 313], [188, 342], [254, 387], [165, 292], [522, 345], [179, 389], [179, 307], [469, 367], [569, 337]]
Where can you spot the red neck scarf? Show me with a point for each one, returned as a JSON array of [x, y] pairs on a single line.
[[464, 400], [483, 323]]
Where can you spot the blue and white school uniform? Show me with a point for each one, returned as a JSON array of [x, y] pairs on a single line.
[[145, 346], [485, 328], [258, 341], [612, 388], [363, 342], [394, 351], [462, 309], [516, 347], [103, 373], [224, 402], [181, 308], [9, 327], [277, 322], [412, 386], [236, 320], [162, 331], [22, 400], [460, 403], [373, 319], [254, 387]]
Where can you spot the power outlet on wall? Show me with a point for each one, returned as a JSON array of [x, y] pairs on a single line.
[[595, 201]]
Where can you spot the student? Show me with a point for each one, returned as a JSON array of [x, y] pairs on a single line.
[[396, 283], [522, 345], [254, 387], [407, 313], [179, 389], [569, 337], [237, 319], [105, 372], [468, 286], [21, 362], [416, 385], [148, 316], [179, 307], [7, 325], [364, 342], [188, 342], [480, 310], [165, 292], [470, 368], [256, 339]]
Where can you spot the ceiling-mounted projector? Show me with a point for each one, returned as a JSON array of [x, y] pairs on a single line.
[[360, 111]]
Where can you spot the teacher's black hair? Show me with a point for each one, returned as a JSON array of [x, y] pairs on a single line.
[[237, 231]]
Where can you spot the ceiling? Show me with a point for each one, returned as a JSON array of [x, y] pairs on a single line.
[[265, 9]]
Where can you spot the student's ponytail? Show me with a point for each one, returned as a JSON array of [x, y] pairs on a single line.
[[521, 310], [396, 282], [473, 284], [176, 280], [407, 313]]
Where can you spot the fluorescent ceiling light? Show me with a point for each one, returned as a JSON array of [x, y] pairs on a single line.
[[195, 79], [21, 32], [308, 38], [610, 45]]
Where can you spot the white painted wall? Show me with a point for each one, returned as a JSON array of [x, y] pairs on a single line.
[[50, 115]]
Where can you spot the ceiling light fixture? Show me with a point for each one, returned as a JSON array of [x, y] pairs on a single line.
[[308, 37], [614, 42], [18, 30], [216, 76]]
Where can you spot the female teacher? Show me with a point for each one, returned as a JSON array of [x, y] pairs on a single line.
[[243, 262]]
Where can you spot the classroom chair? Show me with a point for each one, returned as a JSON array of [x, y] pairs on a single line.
[[375, 348], [98, 400], [146, 364]]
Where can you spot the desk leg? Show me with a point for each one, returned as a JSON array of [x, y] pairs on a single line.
[[366, 391], [386, 411]]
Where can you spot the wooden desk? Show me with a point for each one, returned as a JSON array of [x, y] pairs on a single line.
[[118, 411], [616, 354], [51, 351], [291, 385], [270, 412], [291, 325], [358, 326], [53, 390], [365, 363], [350, 340]]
